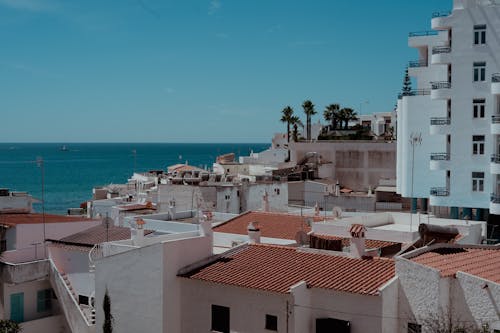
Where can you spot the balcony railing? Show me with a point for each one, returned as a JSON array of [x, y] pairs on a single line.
[[416, 92], [423, 33], [495, 158], [440, 121], [441, 49], [441, 85], [440, 14], [417, 63], [440, 192], [495, 198], [495, 119], [440, 157], [495, 77]]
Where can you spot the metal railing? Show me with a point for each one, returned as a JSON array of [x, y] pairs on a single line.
[[495, 119], [440, 192], [440, 14], [423, 33], [417, 63], [441, 49], [441, 85], [440, 156], [416, 92], [495, 77], [495, 198], [495, 158], [440, 121]]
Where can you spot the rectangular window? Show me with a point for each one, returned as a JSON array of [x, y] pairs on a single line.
[[478, 107], [271, 323], [414, 328], [44, 300], [478, 144], [220, 318], [478, 182], [479, 71], [480, 34]]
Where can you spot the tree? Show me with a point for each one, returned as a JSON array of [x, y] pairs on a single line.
[[308, 107], [286, 116], [406, 91], [346, 115], [331, 113], [9, 326], [295, 122], [107, 327]]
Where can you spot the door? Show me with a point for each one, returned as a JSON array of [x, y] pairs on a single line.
[[17, 307]]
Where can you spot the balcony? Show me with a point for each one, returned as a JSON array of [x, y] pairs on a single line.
[[420, 38], [495, 164], [495, 84], [439, 196], [440, 20], [417, 92], [441, 90], [440, 161], [440, 126], [441, 55], [495, 125], [495, 204]]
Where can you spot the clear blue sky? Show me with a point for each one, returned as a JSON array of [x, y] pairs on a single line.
[[195, 70]]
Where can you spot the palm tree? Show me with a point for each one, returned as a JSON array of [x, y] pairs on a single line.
[[331, 113], [286, 116], [295, 122], [346, 115], [308, 107]]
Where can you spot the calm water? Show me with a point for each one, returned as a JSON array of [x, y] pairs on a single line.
[[71, 174]]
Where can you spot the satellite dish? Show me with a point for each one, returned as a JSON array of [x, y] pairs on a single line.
[[301, 238], [337, 212]]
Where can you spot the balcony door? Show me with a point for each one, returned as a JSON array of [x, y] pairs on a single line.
[[17, 307]]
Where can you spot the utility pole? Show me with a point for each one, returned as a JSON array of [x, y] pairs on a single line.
[[40, 164]]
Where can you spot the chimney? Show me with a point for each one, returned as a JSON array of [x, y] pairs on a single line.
[[265, 202], [357, 232], [138, 240], [205, 221], [253, 233], [171, 209]]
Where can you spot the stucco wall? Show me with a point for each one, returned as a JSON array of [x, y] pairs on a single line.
[[30, 290]]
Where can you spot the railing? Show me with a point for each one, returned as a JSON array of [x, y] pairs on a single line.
[[440, 192], [495, 119], [440, 121], [495, 158], [423, 33], [440, 14], [441, 85], [495, 77], [495, 198], [441, 49], [417, 63], [416, 92], [440, 157]]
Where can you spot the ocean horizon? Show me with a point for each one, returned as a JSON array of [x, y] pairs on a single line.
[[71, 170]]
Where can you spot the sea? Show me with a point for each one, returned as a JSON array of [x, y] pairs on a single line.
[[66, 173]]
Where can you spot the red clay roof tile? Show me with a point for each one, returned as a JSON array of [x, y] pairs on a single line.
[[33, 218], [277, 268]]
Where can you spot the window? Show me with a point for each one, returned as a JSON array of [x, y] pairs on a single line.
[[478, 106], [271, 322], [328, 325], [478, 144], [227, 197], [414, 328], [220, 318], [477, 181], [44, 300], [277, 191], [480, 34], [479, 71]]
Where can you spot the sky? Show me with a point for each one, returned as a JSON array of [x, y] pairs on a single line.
[[196, 70]]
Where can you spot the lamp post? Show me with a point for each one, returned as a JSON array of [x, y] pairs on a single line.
[[40, 164], [415, 139]]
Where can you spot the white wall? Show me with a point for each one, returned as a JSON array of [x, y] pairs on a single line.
[[30, 290]]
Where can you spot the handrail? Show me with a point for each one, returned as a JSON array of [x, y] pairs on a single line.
[[440, 156], [441, 85], [441, 49], [495, 119], [440, 14], [495, 77], [440, 121], [439, 191], [423, 33], [416, 92]]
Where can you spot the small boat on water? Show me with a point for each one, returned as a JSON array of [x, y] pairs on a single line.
[[64, 148]]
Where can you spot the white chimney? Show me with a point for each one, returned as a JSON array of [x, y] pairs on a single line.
[[205, 222], [357, 248], [138, 240], [253, 233], [265, 202], [171, 209]]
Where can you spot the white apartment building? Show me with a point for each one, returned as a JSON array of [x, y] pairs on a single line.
[[449, 127]]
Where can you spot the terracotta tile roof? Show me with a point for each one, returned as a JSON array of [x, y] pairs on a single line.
[[137, 207], [32, 218], [98, 234], [277, 268], [482, 262], [369, 243], [274, 225]]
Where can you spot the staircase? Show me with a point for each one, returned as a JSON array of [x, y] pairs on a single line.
[[87, 310]]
